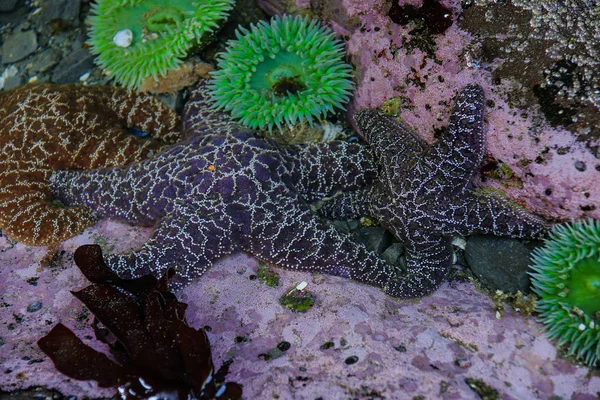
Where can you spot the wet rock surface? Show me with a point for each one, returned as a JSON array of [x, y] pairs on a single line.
[[427, 348], [8, 5], [396, 349], [19, 45], [500, 263], [44, 42]]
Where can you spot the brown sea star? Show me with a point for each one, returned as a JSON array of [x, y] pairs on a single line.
[[48, 127]]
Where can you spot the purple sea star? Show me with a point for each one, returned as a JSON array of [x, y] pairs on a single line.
[[423, 195], [223, 190]]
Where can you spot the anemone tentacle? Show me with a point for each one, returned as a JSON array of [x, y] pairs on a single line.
[[162, 34], [567, 278], [286, 71]]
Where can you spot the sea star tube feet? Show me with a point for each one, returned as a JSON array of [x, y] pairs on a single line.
[[424, 194], [48, 127]]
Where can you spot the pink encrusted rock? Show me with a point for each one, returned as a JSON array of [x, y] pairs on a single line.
[[542, 159], [404, 348]]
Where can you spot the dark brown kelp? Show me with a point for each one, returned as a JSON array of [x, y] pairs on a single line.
[[157, 354]]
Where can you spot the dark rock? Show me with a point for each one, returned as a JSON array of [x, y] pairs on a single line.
[[500, 263], [8, 5], [35, 306], [45, 60], [341, 226], [18, 46], [393, 252], [12, 81], [376, 238], [60, 13], [73, 66], [353, 224]]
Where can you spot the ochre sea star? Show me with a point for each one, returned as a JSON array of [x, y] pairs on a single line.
[[423, 195], [223, 190], [49, 127]]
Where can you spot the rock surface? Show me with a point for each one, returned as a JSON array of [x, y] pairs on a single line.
[[404, 349], [500, 263], [18, 46]]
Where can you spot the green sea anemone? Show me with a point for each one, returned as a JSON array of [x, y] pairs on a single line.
[[286, 71], [567, 279], [138, 39]]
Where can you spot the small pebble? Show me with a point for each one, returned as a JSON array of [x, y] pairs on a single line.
[[284, 346], [123, 38], [463, 362], [35, 306], [84, 77], [327, 345], [351, 360], [241, 339], [580, 166], [401, 348]]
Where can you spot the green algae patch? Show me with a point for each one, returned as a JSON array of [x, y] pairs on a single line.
[[297, 300], [267, 275], [485, 391]]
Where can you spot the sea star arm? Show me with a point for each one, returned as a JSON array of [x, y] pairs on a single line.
[[388, 137], [144, 112], [428, 259], [188, 240], [47, 127], [348, 205], [199, 116], [27, 216], [136, 193], [326, 168], [455, 157], [292, 237], [489, 213], [391, 140]]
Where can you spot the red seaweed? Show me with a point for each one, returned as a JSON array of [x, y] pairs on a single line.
[[157, 353]]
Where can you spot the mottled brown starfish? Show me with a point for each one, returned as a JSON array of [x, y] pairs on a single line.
[[48, 127]]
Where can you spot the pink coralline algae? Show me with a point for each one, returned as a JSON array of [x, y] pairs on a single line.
[[415, 75], [354, 343]]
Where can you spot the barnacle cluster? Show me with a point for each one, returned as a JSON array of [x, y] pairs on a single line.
[[286, 71], [571, 29], [567, 278], [138, 39]]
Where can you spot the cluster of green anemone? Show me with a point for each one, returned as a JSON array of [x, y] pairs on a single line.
[[138, 39], [284, 72], [567, 278]]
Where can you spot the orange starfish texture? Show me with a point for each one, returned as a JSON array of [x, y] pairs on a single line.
[[49, 127]]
